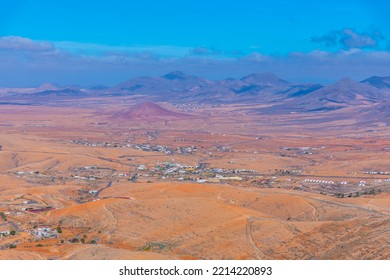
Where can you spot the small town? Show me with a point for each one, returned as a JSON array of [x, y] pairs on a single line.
[[141, 147]]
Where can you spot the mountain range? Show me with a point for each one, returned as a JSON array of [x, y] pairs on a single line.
[[278, 95]]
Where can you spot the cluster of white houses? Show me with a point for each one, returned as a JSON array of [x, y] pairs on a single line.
[[44, 232], [318, 181], [378, 172], [143, 147]]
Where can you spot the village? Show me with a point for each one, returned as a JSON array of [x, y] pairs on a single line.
[[21, 220], [204, 173], [142, 147], [94, 176], [23, 216]]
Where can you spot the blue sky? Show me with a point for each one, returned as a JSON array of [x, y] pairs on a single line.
[[94, 42]]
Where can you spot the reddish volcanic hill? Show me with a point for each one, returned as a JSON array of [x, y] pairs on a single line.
[[149, 110]]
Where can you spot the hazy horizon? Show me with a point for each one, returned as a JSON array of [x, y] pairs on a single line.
[[91, 43], [97, 84]]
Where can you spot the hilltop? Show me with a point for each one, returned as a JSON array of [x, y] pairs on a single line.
[[149, 110]]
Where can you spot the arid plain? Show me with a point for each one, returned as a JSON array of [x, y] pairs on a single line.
[[130, 180]]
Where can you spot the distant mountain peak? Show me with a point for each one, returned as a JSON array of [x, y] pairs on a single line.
[[346, 81], [47, 86], [265, 75], [264, 79], [378, 82], [344, 91], [149, 110], [175, 75], [349, 84]]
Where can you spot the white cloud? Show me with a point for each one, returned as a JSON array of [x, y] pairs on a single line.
[[24, 61], [348, 38], [255, 57], [17, 43]]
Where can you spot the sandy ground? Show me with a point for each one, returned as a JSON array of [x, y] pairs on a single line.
[[267, 215]]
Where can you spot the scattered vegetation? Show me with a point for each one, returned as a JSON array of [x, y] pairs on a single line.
[[59, 230], [3, 216], [153, 245]]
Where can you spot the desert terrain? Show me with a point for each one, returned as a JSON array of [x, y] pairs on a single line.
[[120, 178]]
